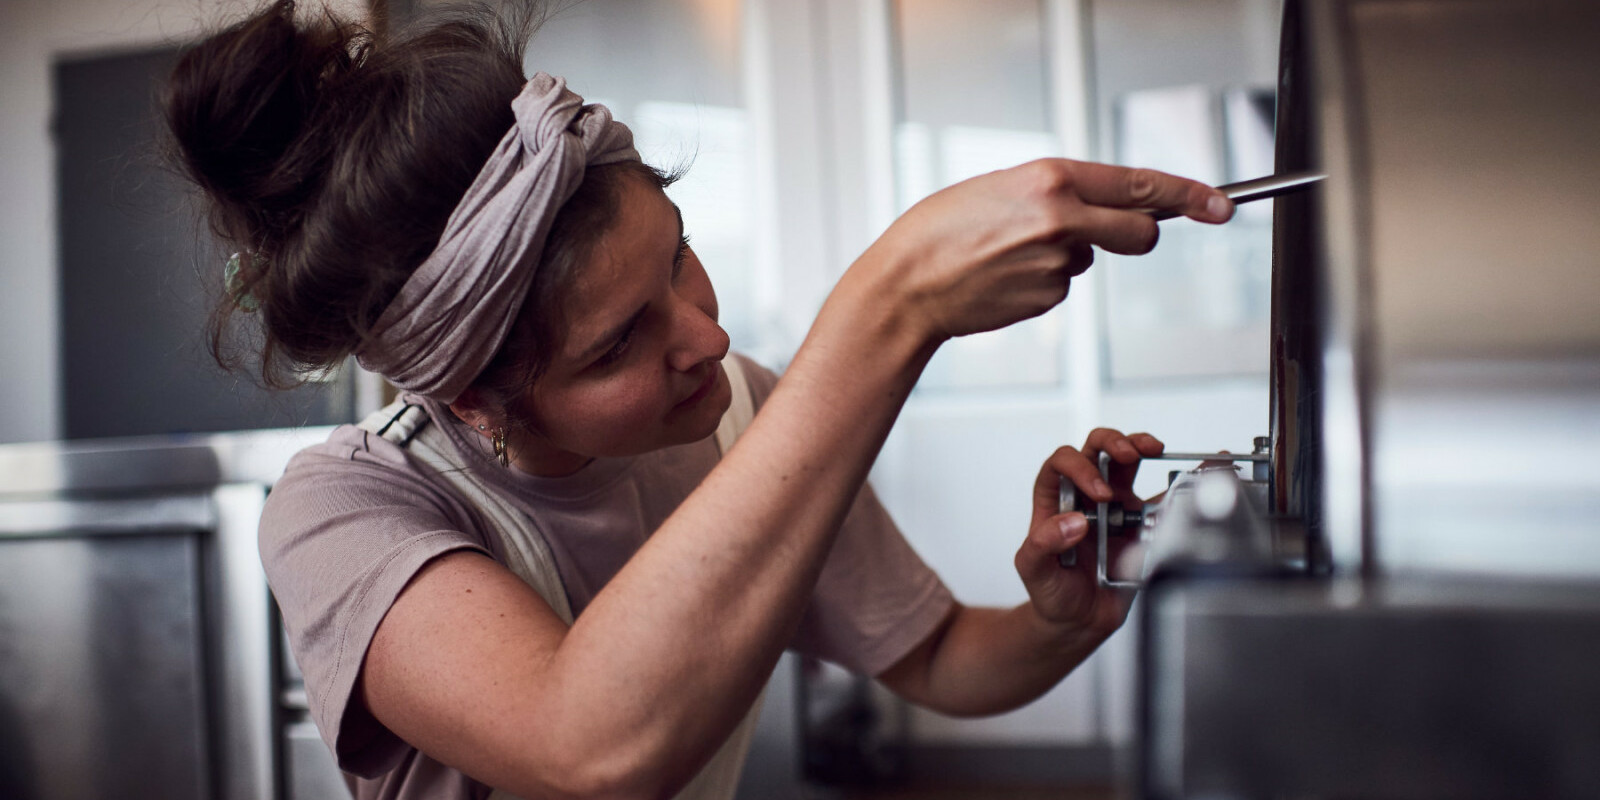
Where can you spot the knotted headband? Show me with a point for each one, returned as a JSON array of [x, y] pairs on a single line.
[[454, 312]]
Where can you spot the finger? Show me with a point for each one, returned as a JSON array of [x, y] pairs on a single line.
[[1124, 471], [1125, 187], [1093, 445], [1125, 460], [1080, 257], [1148, 446], [1115, 230], [1039, 556], [1122, 478], [1112, 442], [1046, 492], [1067, 462], [1095, 442], [1125, 454]]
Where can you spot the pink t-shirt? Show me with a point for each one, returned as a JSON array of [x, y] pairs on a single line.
[[354, 518]]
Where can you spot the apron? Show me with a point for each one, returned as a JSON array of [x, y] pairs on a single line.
[[528, 556]]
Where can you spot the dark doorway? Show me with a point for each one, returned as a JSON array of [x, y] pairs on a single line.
[[138, 273]]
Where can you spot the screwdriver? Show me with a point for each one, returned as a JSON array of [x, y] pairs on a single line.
[[1257, 189]]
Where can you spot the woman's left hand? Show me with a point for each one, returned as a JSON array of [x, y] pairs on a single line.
[[1072, 596]]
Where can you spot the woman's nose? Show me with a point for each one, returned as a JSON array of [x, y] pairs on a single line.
[[699, 339]]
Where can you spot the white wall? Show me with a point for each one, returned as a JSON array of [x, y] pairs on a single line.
[[34, 34]]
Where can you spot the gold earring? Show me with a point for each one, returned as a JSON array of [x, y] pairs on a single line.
[[500, 453]]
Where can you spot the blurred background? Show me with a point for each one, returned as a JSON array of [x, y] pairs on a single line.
[[807, 127]]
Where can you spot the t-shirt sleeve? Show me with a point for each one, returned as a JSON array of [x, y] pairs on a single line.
[[876, 599], [348, 525]]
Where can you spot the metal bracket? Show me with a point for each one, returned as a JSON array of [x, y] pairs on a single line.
[[1106, 516]]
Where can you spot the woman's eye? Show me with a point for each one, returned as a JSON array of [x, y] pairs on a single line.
[[617, 350], [683, 253]]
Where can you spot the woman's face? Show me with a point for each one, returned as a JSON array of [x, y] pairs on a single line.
[[640, 367]]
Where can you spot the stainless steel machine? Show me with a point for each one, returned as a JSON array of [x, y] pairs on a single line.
[[139, 656], [138, 649], [1407, 603]]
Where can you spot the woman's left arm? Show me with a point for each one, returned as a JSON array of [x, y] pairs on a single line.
[[989, 660]]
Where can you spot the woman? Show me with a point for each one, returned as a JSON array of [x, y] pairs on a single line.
[[540, 572]]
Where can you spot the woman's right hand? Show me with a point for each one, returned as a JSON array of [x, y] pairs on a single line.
[[1003, 247]]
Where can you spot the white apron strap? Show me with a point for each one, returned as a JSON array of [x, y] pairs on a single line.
[[528, 556], [526, 552]]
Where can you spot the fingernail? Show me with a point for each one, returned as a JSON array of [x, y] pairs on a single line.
[[1100, 488], [1074, 526], [1219, 207]]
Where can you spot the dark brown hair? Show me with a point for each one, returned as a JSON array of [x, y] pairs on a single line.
[[332, 158]]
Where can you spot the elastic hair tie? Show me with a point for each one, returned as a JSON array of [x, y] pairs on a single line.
[[234, 286]]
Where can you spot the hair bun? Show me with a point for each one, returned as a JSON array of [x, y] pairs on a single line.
[[333, 158], [242, 109]]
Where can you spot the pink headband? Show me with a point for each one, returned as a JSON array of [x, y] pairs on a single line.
[[453, 313]]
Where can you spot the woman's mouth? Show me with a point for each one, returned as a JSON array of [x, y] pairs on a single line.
[[704, 389]]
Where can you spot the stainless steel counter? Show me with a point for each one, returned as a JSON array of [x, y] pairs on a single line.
[[137, 640]]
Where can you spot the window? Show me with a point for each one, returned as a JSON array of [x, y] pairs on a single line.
[[973, 98], [672, 70], [1189, 90]]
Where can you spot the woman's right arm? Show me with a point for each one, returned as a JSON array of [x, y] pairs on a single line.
[[473, 668]]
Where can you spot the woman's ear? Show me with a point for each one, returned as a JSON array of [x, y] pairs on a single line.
[[469, 409]]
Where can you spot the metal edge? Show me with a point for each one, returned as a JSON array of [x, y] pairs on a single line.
[[140, 464], [54, 517], [242, 629], [1346, 321]]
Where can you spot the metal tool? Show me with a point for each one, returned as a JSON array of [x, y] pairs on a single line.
[[1113, 519], [1258, 189]]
